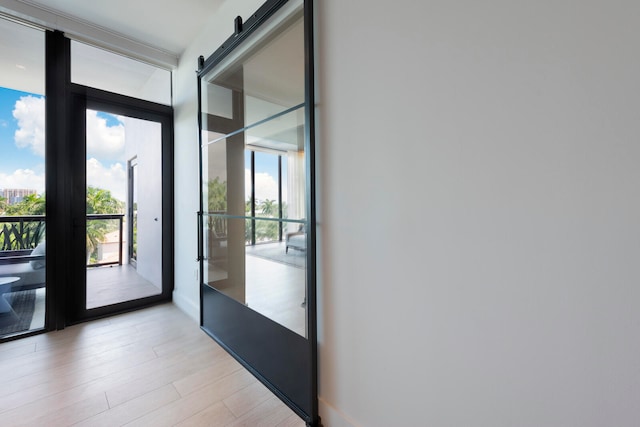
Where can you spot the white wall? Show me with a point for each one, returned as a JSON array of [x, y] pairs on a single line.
[[185, 97], [479, 210], [143, 140]]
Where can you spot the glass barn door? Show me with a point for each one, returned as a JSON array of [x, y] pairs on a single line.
[[256, 222]]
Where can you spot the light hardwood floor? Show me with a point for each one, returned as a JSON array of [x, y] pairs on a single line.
[[153, 367]]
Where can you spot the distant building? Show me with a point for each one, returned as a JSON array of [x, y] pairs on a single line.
[[15, 195]]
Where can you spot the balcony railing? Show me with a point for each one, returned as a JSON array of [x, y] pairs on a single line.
[[103, 218], [19, 235]]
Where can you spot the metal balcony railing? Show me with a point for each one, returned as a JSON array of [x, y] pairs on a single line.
[[107, 217], [20, 234]]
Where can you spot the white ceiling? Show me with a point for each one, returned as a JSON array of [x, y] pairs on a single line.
[[161, 29]]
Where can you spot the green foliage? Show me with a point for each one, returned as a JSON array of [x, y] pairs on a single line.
[[100, 201], [28, 235], [266, 231], [23, 234], [217, 203], [29, 205], [217, 195], [269, 208]]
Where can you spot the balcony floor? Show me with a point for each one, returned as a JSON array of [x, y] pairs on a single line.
[[114, 284]]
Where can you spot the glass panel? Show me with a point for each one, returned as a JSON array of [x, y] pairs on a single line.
[[111, 276], [270, 278], [98, 68], [22, 180], [267, 78], [277, 264], [218, 101]]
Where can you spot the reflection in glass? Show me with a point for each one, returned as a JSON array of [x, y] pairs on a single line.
[[270, 278], [22, 180], [254, 181]]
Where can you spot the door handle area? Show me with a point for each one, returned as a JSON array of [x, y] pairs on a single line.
[[199, 239]]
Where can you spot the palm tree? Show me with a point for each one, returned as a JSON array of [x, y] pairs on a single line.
[[31, 204], [269, 208], [217, 195], [100, 201]]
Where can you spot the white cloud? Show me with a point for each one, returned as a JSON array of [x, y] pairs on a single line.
[[29, 111], [266, 186], [104, 142], [112, 178], [23, 178]]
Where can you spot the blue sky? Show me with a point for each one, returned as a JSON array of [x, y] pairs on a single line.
[[22, 145], [11, 156], [21, 140], [266, 176], [22, 153]]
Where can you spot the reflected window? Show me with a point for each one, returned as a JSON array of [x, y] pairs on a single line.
[[253, 120]]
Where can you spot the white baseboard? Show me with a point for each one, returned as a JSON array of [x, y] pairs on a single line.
[[187, 306], [332, 417]]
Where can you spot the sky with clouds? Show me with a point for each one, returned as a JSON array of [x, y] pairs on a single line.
[[22, 124], [22, 150], [266, 177]]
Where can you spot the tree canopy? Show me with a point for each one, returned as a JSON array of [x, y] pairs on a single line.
[[32, 204], [99, 201]]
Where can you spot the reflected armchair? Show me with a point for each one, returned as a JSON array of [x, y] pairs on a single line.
[[296, 240]]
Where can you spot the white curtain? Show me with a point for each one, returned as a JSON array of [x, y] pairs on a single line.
[[295, 187]]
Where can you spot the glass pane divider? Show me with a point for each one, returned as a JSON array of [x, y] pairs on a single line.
[[258, 123], [257, 218]]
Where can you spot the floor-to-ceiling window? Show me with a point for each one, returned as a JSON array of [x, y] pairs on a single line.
[[103, 112], [265, 187], [22, 179]]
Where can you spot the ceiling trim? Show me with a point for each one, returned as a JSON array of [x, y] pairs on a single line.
[[88, 33]]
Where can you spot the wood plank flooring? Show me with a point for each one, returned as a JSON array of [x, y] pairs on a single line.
[[153, 367]]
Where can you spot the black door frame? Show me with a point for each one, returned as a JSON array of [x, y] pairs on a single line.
[[132, 165], [84, 98], [65, 111]]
